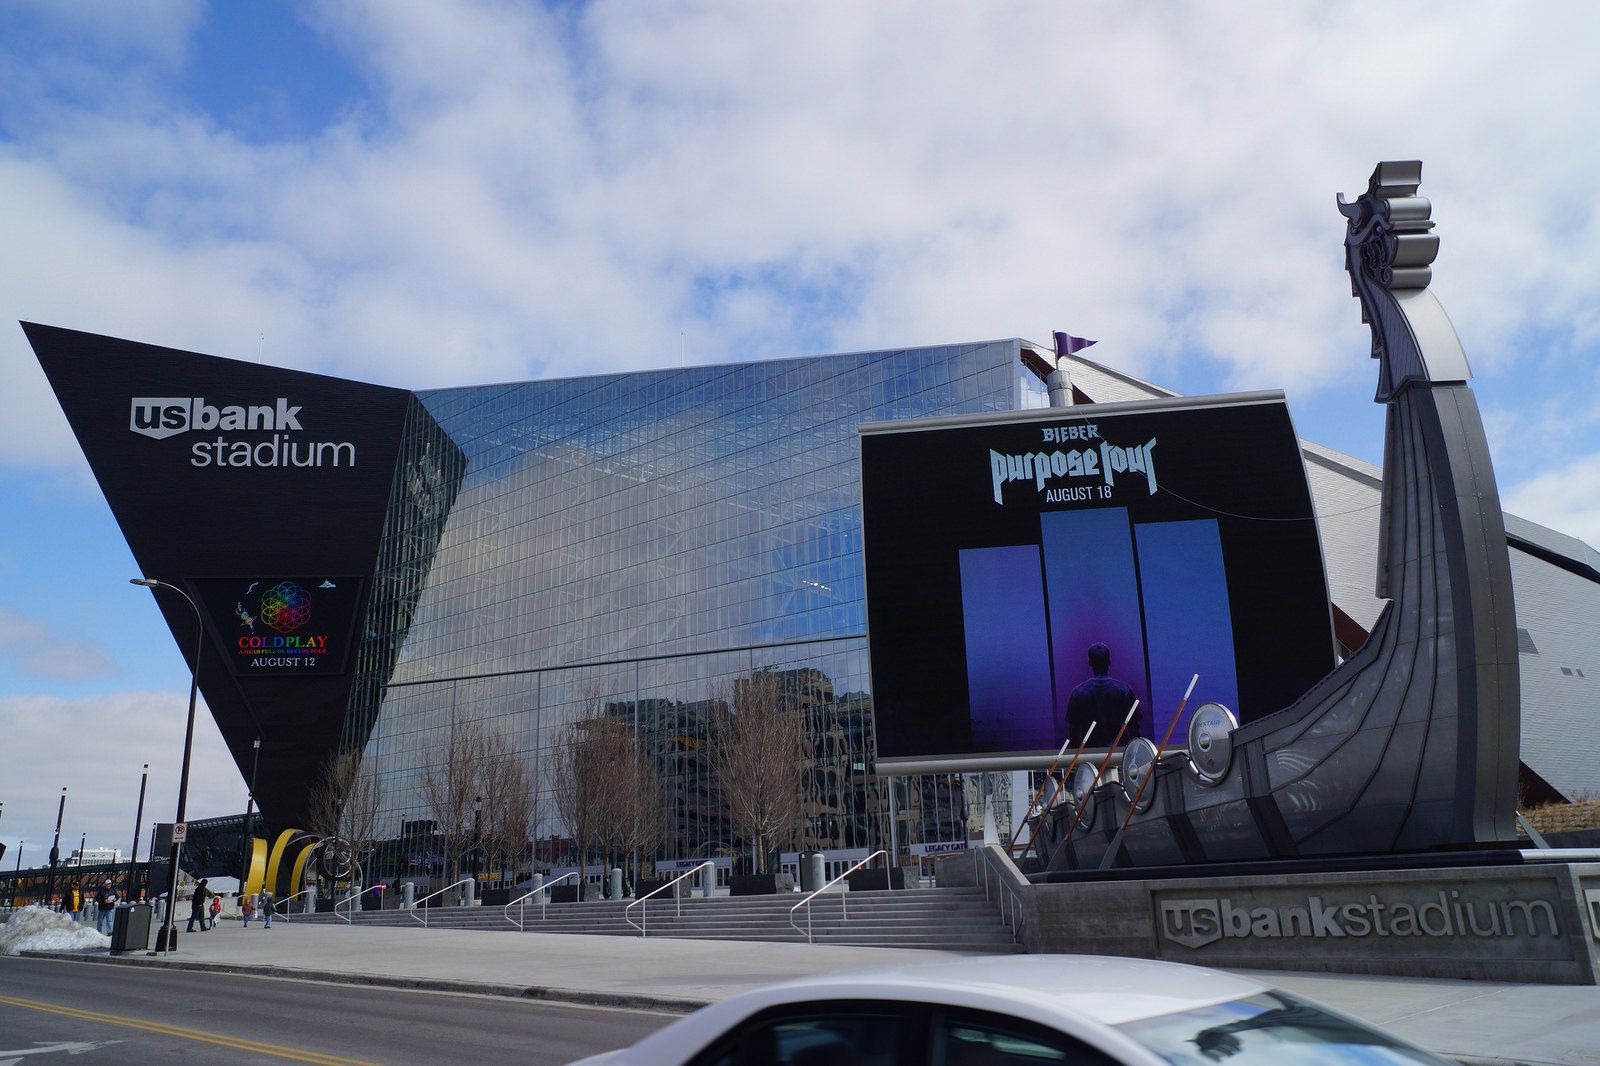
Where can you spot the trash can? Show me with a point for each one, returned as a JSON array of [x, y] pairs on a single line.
[[130, 929], [812, 874]]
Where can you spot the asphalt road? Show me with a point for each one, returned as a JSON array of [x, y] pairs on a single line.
[[114, 1015]]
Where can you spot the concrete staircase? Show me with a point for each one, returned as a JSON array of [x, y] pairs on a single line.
[[951, 919]]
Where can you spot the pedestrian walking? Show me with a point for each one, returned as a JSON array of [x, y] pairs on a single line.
[[266, 906], [197, 906], [247, 908], [216, 909], [105, 904], [75, 903]]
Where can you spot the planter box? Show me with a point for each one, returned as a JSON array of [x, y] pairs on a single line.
[[569, 893], [649, 885], [877, 880], [760, 884]]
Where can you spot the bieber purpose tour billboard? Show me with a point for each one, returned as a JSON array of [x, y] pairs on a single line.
[[1112, 551]]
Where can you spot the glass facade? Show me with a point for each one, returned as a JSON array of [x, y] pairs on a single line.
[[643, 539]]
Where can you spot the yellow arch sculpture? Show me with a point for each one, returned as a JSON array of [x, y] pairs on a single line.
[[280, 849], [255, 866]]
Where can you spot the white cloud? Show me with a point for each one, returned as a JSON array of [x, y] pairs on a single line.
[[542, 194], [158, 28], [33, 648], [95, 746], [1566, 498]]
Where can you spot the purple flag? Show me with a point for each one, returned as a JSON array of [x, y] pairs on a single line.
[[1067, 344]]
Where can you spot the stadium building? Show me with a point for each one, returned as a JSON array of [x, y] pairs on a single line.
[[374, 565]]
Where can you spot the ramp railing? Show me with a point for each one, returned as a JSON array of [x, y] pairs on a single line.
[[418, 905], [844, 907], [986, 867], [521, 901], [645, 914]]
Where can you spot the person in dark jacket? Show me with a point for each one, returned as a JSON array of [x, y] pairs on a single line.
[[105, 907], [197, 905], [1101, 701]]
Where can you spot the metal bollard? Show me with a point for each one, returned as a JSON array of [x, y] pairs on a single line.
[[614, 883], [812, 875], [408, 896], [708, 881]]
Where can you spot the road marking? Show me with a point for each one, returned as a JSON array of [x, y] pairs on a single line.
[[75, 1047], [238, 1043]]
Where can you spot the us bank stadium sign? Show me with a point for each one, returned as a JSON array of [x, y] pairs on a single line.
[[160, 417], [1444, 914]]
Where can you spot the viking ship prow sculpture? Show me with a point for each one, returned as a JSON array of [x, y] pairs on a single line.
[[1411, 745]]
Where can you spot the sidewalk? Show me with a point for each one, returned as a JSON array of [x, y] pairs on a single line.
[[1471, 1020]]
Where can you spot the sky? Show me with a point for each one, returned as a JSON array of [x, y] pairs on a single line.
[[454, 192]]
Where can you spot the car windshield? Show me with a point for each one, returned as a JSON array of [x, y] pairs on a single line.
[[1273, 1027]]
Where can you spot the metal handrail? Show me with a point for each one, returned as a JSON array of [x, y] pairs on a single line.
[[643, 931], [418, 904], [844, 908], [519, 902], [349, 919], [287, 900], [984, 862]]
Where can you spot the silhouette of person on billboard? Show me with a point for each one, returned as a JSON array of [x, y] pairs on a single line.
[[1101, 701]]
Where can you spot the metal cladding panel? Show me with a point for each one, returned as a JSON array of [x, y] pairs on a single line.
[[220, 469], [1347, 514], [1560, 611]]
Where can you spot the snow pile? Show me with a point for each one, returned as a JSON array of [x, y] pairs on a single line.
[[37, 929]]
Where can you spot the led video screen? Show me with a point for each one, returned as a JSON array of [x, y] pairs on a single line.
[[1029, 575], [278, 626]]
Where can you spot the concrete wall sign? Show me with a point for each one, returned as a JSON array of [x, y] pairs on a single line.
[[1194, 923]]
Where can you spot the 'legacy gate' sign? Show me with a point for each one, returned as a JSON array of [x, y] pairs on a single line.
[[1030, 574]]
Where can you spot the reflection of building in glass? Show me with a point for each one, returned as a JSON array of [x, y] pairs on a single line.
[[937, 806], [644, 540]]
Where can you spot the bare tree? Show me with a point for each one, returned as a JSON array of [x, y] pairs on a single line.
[[647, 809], [759, 744], [344, 801], [450, 789], [633, 814], [510, 803], [579, 770]]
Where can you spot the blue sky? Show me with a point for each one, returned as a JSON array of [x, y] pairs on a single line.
[[441, 193]]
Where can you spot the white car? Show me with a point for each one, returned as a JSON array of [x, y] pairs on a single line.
[[1018, 1010]]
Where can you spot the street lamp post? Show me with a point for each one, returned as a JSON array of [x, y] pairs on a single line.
[[168, 933], [16, 878], [477, 842], [55, 850], [247, 849], [138, 819]]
